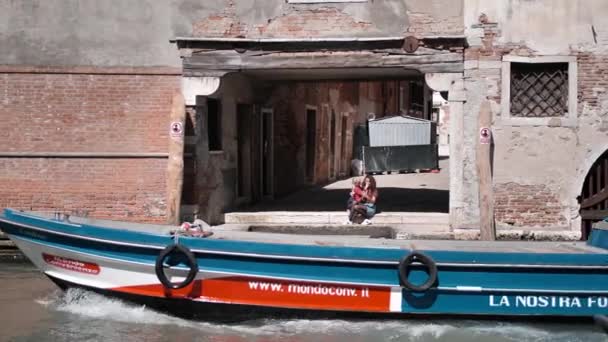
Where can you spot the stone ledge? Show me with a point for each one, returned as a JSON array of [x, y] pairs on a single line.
[[7, 244], [373, 231], [10, 253], [14, 255], [521, 234], [413, 231], [333, 217]]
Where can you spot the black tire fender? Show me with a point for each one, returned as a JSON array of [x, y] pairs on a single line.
[[404, 267], [191, 261]]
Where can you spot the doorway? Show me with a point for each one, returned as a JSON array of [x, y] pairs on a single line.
[[311, 134], [344, 165], [332, 146], [594, 195], [266, 153], [244, 146]]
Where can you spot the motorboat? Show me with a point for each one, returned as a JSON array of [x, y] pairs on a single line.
[[240, 272]]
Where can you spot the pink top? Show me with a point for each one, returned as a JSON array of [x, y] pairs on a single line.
[[357, 194]]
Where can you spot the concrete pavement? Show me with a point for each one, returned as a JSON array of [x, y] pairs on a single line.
[[412, 203], [410, 192]]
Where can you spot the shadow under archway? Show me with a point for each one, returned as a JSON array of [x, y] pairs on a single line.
[[390, 199]]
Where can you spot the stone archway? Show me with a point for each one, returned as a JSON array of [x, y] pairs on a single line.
[[206, 61]]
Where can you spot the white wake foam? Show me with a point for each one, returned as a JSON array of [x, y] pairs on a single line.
[[93, 306]]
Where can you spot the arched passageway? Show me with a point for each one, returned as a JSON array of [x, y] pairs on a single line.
[[594, 195]]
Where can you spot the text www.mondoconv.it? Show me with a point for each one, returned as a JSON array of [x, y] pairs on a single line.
[[308, 289]]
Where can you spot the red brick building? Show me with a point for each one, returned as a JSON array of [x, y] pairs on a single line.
[[87, 97]]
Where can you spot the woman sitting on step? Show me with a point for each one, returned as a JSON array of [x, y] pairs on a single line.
[[367, 205]]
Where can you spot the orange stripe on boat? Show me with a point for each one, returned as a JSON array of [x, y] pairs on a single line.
[[296, 294], [270, 292]]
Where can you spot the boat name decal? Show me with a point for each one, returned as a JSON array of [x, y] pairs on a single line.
[[305, 289], [548, 301], [71, 264], [298, 294]]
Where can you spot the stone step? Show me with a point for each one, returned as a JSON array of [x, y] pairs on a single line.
[[416, 231], [333, 217], [407, 232], [12, 255], [7, 244]]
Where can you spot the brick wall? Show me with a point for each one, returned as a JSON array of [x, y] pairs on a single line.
[[483, 58], [527, 205], [289, 101], [592, 81], [103, 188], [102, 110], [79, 112]]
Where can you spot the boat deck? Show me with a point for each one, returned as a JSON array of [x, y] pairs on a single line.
[[540, 247], [242, 233]]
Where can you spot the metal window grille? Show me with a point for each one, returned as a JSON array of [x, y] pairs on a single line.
[[539, 89]]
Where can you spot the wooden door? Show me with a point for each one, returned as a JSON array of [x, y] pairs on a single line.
[[323, 155], [266, 153], [332, 146], [256, 146], [594, 196], [243, 136], [311, 139]]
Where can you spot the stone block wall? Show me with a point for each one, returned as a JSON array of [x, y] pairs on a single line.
[[593, 85]]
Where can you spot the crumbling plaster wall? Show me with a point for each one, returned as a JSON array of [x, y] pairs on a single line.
[[545, 26], [538, 170], [262, 18], [99, 33], [217, 170], [593, 111]]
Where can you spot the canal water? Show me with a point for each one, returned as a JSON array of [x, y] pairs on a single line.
[[33, 309]]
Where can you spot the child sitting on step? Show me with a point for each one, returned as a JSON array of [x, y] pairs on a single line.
[[356, 194]]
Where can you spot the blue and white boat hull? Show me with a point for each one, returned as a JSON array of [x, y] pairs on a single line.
[[568, 280]]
